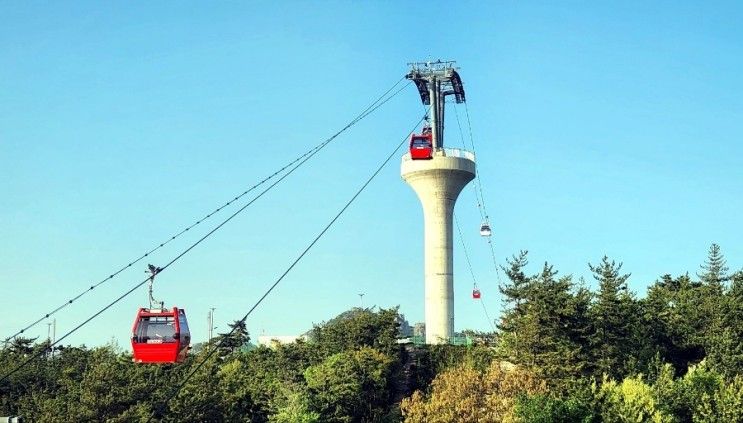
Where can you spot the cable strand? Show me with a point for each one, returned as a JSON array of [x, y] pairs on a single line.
[[43, 351], [292, 265], [472, 273], [368, 110]]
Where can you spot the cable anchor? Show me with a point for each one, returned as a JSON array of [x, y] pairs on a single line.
[[154, 270]]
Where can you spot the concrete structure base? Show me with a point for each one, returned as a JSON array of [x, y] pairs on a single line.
[[438, 182]]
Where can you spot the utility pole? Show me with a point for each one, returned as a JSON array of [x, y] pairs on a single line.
[[210, 318], [51, 335]]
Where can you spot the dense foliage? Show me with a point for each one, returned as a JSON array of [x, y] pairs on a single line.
[[562, 353]]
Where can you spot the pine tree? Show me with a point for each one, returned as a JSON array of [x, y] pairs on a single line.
[[515, 293], [512, 325], [724, 341], [542, 323], [233, 340], [673, 318], [713, 305], [614, 316], [715, 268], [552, 308], [580, 327]]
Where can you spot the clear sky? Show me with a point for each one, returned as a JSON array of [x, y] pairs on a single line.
[[600, 129]]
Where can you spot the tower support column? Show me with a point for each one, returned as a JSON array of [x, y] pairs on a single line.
[[438, 182]]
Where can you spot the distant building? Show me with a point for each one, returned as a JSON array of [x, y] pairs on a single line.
[[419, 330], [269, 340], [405, 330]]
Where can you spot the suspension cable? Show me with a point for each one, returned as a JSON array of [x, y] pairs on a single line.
[[483, 215], [472, 273], [481, 197], [291, 266], [495, 262], [368, 110], [192, 246], [459, 125], [472, 141]]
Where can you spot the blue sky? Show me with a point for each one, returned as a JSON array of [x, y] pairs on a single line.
[[600, 129]]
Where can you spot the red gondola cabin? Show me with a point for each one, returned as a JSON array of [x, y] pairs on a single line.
[[476, 294], [421, 145], [160, 336]]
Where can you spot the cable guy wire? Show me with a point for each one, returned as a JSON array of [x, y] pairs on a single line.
[[481, 197], [368, 110], [192, 246], [472, 141], [294, 263], [472, 273], [483, 214]]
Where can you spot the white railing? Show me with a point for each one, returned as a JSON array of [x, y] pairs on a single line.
[[456, 152], [447, 152]]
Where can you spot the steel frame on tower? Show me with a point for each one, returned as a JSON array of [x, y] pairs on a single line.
[[435, 81]]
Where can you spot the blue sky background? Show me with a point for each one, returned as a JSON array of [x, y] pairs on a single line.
[[600, 129]]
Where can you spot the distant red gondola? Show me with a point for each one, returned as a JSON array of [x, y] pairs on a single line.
[[160, 336], [421, 145], [476, 293]]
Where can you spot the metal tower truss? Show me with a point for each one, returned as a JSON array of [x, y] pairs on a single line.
[[435, 81]]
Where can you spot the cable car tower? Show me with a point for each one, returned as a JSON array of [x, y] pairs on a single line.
[[437, 177]]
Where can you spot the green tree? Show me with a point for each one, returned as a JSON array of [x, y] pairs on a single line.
[[673, 317], [714, 269], [199, 399], [351, 386], [543, 408], [293, 406], [725, 405], [464, 394], [236, 338], [515, 291], [629, 401], [514, 326], [24, 385], [552, 354], [356, 328], [615, 318], [242, 387], [545, 327], [724, 340]]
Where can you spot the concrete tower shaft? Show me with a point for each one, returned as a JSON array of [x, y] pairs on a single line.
[[438, 182]]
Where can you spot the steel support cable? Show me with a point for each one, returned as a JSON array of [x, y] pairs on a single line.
[[472, 141], [368, 110], [472, 273], [481, 199], [459, 124], [483, 215], [192, 246], [293, 264], [495, 262], [124, 295]]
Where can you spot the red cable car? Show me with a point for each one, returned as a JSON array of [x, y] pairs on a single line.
[[160, 336], [421, 145], [476, 293]]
